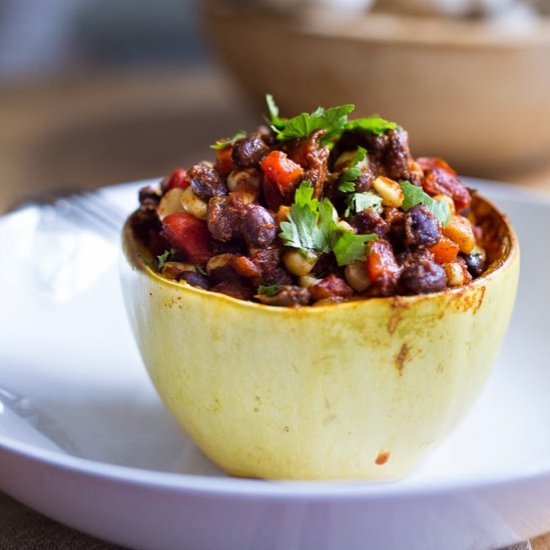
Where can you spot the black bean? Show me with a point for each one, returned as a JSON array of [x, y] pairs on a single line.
[[389, 153], [288, 296], [423, 276], [149, 198], [249, 151], [223, 218], [206, 182], [195, 279], [258, 226], [370, 221], [475, 263], [268, 261], [397, 155], [364, 182], [421, 227]]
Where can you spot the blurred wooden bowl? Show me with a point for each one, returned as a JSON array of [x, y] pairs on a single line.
[[472, 92]]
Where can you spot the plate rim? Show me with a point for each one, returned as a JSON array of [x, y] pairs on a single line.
[[274, 489]]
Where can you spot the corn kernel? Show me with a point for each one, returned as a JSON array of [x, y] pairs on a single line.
[[170, 203], [192, 203], [390, 191], [459, 230], [297, 263], [457, 273]]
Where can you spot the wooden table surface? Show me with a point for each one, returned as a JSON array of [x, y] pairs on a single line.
[[103, 128]]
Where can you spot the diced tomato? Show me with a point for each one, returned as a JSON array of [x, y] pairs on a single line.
[[439, 177], [445, 250], [431, 163], [281, 170], [382, 267], [282, 176], [224, 162], [178, 178], [246, 267], [189, 235]]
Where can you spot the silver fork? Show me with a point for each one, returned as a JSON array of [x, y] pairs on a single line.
[[65, 241], [83, 207]]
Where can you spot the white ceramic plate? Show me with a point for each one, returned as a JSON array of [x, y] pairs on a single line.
[[91, 445]]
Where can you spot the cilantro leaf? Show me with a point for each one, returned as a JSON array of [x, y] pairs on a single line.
[[166, 256], [350, 247], [269, 290], [357, 202], [312, 228], [346, 184], [309, 224], [373, 124], [273, 110], [415, 195], [333, 120], [223, 143]]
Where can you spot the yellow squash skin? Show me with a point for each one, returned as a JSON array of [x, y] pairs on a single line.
[[360, 390]]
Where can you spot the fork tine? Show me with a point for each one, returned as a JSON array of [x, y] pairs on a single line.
[[96, 211], [89, 208], [84, 207]]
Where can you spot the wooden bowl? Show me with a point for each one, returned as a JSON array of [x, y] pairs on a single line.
[[471, 92], [363, 389]]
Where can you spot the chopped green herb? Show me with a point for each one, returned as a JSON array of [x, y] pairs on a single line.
[[350, 247], [273, 110], [347, 180], [312, 228], [201, 270], [166, 256], [223, 143], [333, 120], [357, 202], [415, 195], [373, 124], [269, 290], [309, 224]]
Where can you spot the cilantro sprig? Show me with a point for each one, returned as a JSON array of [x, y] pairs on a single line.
[[415, 195], [349, 247], [166, 256], [310, 222], [347, 180], [312, 229], [269, 290], [357, 202], [333, 120], [373, 124], [223, 143]]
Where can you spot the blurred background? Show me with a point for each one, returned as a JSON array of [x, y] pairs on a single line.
[[94, 92]]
